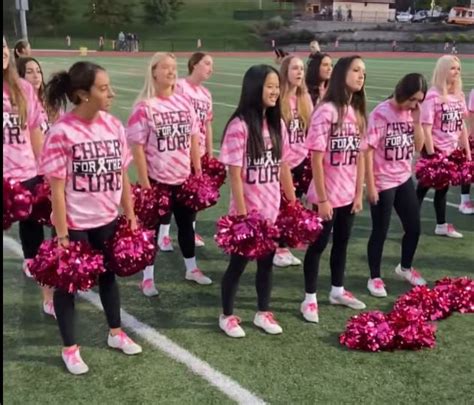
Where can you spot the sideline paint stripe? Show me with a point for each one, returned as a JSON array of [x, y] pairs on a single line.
[[199, 367]]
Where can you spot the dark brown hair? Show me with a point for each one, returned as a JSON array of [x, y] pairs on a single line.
[[195, 58]]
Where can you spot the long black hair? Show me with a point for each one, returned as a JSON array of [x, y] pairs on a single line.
[[313, 77], [409, 85], [339, 94], [252, 111], [64, 85]]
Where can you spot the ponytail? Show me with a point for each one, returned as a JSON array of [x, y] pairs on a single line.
[[58, 91]]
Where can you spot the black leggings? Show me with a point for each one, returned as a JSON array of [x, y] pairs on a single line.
[[465, 189], [403, 199], [31, 232], [342, 221], [184, 218], [263, 282], [439, 202], [108, 287], [297, 173]]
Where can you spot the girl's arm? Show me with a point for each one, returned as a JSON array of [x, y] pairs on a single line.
[[237, 187], [428, 138], [58, 202], [126, 201], [324, 206], [140, 162], [286, 180], [357, 206], [372, 194], [418, 129], [196, 154], [209, 135]]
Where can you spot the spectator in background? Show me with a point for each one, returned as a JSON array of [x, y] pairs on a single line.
[[22, 48], [121, 41], [446, 46], [101, 43], [349, 14], [394, 46], [453, 48], [68, 41], [336, 43]]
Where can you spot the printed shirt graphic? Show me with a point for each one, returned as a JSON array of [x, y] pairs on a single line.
[[296, 137], [90, 156], [341, 148], [201, 100], [391, 133], [18, 157], [446, 117], [164, 127], [260, 177]]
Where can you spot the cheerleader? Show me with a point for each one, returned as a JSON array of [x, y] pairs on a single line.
[[394, 133], [467, 206], [85, 159], [21, 49], [317, 78], [255, 143], [296, 107], [334, 136], [442, 116], [22, 143], [200, 69], [164, 133]]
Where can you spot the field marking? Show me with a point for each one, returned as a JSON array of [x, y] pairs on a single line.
[[199, 367]]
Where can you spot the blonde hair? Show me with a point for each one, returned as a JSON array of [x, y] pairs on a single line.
[[441, 73], [303, 103], [149, 89]]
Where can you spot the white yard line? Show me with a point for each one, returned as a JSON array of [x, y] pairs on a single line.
[[223, 383]]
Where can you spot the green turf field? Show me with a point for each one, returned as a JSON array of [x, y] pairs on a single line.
[[305, 365]]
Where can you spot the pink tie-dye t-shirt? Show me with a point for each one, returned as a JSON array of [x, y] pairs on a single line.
[[446, 115], [296, 136], [341, 148], [201, 100], [390, 133], [164, 126], [18, 158], [90, 156], [471, 112], [260, 177]]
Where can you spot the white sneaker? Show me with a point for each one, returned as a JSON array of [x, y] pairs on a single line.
[[198, 276], [26, 269], [282, 258], [122, 342], [230, 326], [412, 276], [73, 361], [148, 288], [294, 260], [309, 311], [347, 299], [48, 308], [376, 287], [447, 230], [267, 322], [198, 240], [165, 244], [466, 208]]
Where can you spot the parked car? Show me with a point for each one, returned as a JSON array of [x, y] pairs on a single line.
[[404, 17], [421, 16]]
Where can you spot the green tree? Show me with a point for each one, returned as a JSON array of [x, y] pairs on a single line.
[[160, 11], [49, 12], [110, 13]]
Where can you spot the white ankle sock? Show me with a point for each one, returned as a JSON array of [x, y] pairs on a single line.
[[310, 297], [465, 198], [442, 226], [148, 273], [164, 231], [337, 291], [190, 264]]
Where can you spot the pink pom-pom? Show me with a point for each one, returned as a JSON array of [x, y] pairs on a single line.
[[42, 207], [17, 202], [369, 331], [302, 182], [130, 251], [457, 292], [426, 300], [150, 204], [198, 192], [250, 236], [298, 225], [411, 330], [434, 172], [463, 170], [214, 169], [72, 269]]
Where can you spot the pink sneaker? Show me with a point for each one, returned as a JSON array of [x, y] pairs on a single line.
[[376, 286], [347, 299], [267, 322], [230, 326], [412, 276], [73, 361], [198, 276], [310, 311], [148, 288], [26, 267], [122, 342], [198, 240], [447, 230], [166, 244], [466, 208], [48, 308]]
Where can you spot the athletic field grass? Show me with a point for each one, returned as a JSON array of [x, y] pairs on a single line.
[[304, 365]]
